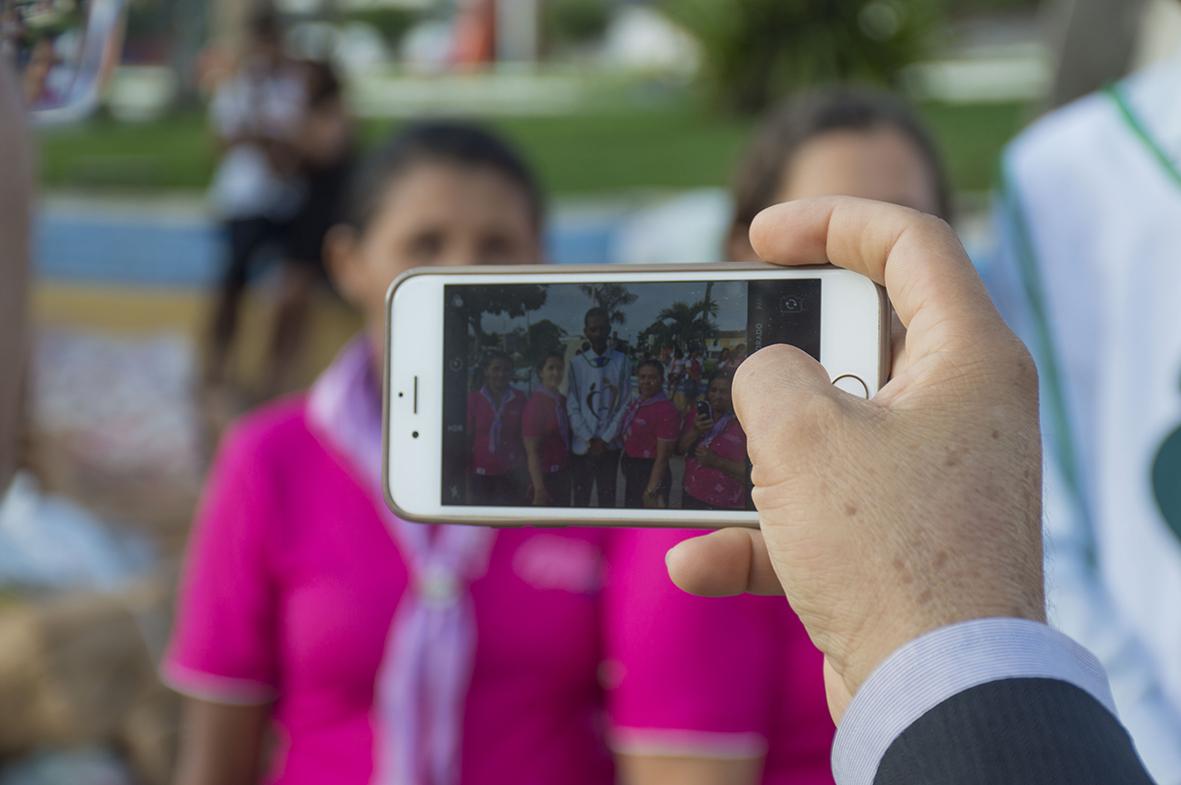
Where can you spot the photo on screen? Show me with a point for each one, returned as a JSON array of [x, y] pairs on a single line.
[[609, 394]]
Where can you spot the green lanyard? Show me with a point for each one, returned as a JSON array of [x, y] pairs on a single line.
[[1133, 121]]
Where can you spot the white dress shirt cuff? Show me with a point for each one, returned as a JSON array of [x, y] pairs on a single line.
[[927, 671]]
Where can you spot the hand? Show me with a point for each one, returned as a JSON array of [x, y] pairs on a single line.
[[652, 499], [886, 519], [704, 456], [703, 422], [597, 447]]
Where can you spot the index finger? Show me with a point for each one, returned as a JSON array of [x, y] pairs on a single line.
[[917, 257]]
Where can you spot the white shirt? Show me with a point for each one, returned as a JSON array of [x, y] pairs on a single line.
[[1089, 274]]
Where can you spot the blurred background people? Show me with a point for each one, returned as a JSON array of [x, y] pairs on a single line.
[[599, 389], [324, 148], [1087, 274], [494, 414], [649, 427], [545, 430], [257, 115]]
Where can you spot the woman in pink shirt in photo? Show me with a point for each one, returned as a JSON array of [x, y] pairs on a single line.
[[650, 426], [714, 445], [494, 433], [546, 432], [320, 639]]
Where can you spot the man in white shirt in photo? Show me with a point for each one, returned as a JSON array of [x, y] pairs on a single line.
[[599, 387]]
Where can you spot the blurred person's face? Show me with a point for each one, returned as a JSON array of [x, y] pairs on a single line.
[[551, 372], [648, 381], [496, 375], [597, 329], [719, 397], [432, 215], [15, 198], [880, 164]]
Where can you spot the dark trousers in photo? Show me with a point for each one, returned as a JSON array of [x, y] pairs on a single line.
[[557, 487], [636, 472], [595, 473]]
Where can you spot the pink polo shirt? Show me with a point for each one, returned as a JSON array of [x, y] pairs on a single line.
[[292, 580], [656, 421], [714, 486], [495, 454], [697, 676], [541, 420]]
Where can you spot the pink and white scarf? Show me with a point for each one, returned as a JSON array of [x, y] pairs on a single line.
[[633, 409], [497, 414], [718, 427], [423, 680]]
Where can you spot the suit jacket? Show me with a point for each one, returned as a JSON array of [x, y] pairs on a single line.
[[1025, 731]]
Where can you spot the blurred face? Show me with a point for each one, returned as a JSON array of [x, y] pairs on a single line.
[[648, 381], [433, 215], [880, 164], [497, 374], [551, 372], [597, 331], [719, 397], [15, 198]]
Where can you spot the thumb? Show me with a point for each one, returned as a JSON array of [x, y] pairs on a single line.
[[780, 387]]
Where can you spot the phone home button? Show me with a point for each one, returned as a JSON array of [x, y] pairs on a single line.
[[852, 385]]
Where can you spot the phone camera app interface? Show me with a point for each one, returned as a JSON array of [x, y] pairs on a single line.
[[609, 394]]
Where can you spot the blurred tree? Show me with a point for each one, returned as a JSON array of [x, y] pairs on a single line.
[[612, 297], [392, 22], [754, 51], [544, 336]]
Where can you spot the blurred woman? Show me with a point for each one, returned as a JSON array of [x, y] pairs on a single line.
[[716, 473], [838, 142], [546, 432], [649, 429]]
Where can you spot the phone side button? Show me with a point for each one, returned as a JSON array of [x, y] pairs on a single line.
[[852, 385]]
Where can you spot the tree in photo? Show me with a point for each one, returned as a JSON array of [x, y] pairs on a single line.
[[511, 300], [688, 325], [612, 297]]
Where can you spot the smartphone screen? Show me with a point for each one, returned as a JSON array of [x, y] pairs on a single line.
[[587, 395]]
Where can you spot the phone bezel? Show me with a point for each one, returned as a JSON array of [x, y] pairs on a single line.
[[855, 329]]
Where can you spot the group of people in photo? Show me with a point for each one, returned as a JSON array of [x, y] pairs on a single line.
[[587, 423]]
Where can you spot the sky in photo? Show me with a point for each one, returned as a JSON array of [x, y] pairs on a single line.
[[566, 305]]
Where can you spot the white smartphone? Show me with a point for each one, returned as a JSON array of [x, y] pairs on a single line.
[[542, 396]]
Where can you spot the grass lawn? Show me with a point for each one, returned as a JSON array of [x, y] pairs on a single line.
[[672, 144]]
